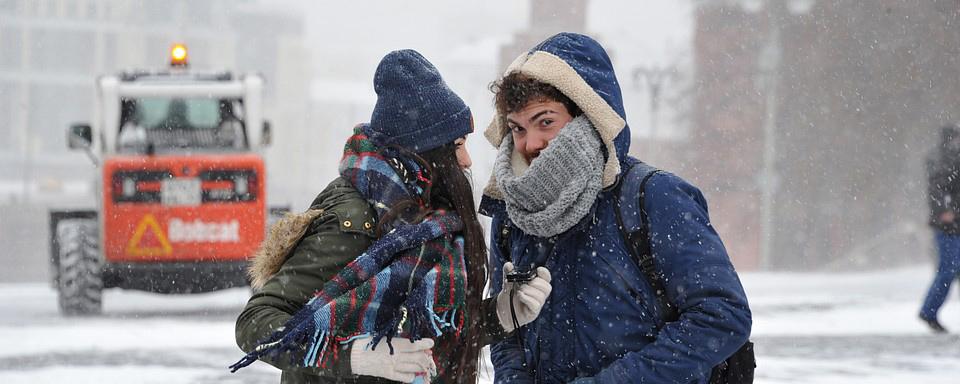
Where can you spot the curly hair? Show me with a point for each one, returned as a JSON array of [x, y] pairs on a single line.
[[515, 90]]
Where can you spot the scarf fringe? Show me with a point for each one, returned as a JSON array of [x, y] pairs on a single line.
[[307, 321], [321, 336], [320, 340]]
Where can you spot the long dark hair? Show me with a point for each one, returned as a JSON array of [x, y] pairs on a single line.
[[449, 188]]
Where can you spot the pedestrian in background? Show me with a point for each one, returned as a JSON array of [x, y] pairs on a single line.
[[943, 191]]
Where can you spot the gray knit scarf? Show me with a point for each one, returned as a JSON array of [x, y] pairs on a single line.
[[561, 184]]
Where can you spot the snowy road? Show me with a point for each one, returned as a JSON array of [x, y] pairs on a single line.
[[141, 338], [809, 328]]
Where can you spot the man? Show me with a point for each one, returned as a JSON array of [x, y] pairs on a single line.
[[943, 171], [563, 145]]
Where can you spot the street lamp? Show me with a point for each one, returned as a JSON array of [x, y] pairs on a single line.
[[769, 62], [769, 66]]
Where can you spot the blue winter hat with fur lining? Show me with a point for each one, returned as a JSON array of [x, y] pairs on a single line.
[[415, 108]]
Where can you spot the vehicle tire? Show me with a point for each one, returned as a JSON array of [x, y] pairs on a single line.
[[79, 285]]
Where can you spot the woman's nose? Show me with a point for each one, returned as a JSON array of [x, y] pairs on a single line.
[[463, 158]]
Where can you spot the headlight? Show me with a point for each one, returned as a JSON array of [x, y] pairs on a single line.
[[129, 187], [240, 185]]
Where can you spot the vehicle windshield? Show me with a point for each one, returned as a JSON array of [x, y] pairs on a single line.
[[164, 124]]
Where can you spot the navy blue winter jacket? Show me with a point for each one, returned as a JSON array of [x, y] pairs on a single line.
[[602, 320]]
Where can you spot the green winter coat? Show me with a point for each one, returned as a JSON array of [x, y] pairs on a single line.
[[302, 253]]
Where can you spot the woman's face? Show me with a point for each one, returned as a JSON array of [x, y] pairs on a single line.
[[463, 157]]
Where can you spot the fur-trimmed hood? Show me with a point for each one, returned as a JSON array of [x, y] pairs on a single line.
[[283, 236], [579, 68], [339, 206]]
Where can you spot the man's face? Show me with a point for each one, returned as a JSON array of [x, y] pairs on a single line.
[[535, 125]]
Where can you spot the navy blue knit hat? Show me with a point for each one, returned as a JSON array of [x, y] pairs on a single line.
[[415, 108]]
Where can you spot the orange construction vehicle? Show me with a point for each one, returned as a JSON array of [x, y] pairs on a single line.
[[182, 200]]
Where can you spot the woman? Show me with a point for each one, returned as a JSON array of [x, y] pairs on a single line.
[[403, 204]]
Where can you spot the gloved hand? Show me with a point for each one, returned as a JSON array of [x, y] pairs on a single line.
[[408, 359], [527, 301]]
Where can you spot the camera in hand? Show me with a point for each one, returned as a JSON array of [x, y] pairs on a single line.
[[521, 275]]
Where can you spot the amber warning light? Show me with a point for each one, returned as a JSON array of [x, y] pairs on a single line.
[[178, 55]]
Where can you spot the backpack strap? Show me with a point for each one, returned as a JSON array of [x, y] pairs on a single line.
[[634, 226]]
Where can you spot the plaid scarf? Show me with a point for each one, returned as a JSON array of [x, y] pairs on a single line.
[[411, 280]]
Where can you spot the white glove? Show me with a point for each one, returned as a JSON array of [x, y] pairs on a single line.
[[527, 300], [407, 361]]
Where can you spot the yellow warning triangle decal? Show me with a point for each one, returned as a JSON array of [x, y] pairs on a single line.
[[133, 246]]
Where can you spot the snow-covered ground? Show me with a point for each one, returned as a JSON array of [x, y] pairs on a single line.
[[808, 328], [850, 328]]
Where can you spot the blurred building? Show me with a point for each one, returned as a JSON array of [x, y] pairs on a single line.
[[824, 111], [546, 19], [651, 92], [53, 50]]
